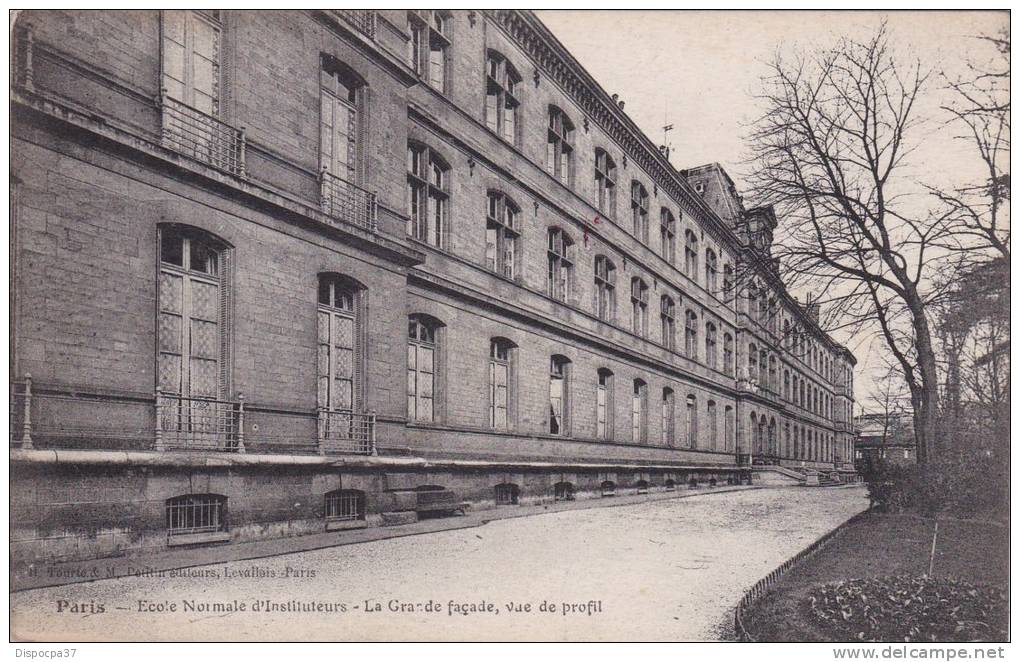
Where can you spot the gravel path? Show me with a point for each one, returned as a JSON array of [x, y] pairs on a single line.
[[666, 570]]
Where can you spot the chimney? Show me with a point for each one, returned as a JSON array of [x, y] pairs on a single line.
[[812, 307]]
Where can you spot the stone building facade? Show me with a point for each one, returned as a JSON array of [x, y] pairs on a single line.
[[284, 272]]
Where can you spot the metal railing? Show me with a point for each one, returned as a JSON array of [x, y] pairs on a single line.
[[60, 417], [201, 136], [345, 506], [196, 514], [348, 202], [184, 423], [362, 20], [346, 431]]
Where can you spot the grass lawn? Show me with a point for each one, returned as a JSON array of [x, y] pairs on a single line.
[[879, 545]]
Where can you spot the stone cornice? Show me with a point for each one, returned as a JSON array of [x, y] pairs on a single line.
[[556, 62], [559, 65]]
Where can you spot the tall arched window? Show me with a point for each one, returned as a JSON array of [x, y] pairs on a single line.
[[752, 300], [500, 383], [502, 83], [422, 368], [667, 316], [728, 282], [729, 423], [691, 255], [192, 342], [559, 394], [639, 210], [639, 306], [667, 235], [763, 367], [605, 288], [773, 376], [428, 196], [691, 335], [711, 271], [752, 362], [191, 74], [711, 345], [427, 48], [668, 417], [692, 421], [501, 234], [639, 412], [560, 263], [339, 356], [341, 91], [560, 146], [786, 385], [752, 434], [604, 404], [773, 444], [762, 432], [728, 353], [605, 182], [713, 425]]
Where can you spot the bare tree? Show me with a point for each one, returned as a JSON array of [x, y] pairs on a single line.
[[972, 331], [829, 152], [889, 402], [979, 109]]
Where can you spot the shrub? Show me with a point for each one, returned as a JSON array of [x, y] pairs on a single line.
[[962, 483], [904, 608]]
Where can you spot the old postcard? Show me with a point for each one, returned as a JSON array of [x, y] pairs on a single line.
[[362, 325]]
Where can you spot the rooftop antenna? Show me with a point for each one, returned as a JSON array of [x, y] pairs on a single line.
[[666, 128]]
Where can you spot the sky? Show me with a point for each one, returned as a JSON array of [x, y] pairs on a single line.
[[700, 71]]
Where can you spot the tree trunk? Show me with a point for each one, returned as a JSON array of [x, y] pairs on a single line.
[[925, 397]]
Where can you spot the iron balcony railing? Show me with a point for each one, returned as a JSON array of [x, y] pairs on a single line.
[[346, 431], [362, 20], [184, 423], [61, 417], [201, 136], [347, 202]]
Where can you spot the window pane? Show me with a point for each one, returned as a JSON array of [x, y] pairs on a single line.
[[171, 248], [491, 109], [437, 68]]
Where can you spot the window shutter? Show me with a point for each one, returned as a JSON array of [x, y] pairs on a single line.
[[227, 53], [226, 322], [361, 134], [360, 343]]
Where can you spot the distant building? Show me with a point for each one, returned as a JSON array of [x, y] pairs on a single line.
[[885, 437]]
